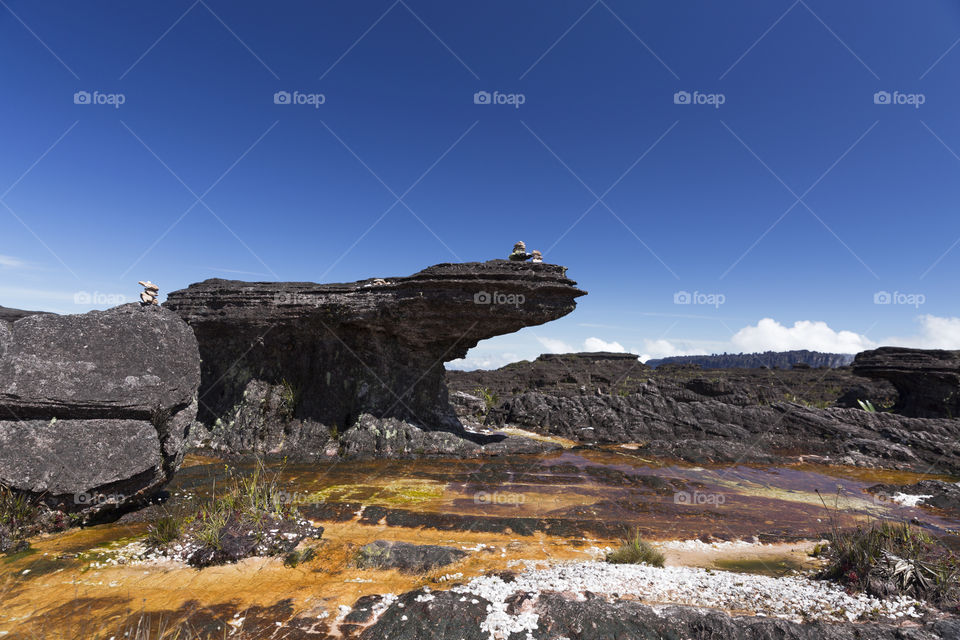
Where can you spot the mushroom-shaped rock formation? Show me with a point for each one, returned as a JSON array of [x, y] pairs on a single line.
[[928, 380], [287, 363], [94, 408]]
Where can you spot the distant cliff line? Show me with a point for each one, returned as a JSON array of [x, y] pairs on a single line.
[[769, 359]]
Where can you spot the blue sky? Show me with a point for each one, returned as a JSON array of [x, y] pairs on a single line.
[[145, 140]]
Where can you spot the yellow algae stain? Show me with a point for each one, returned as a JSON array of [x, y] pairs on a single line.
[[566, 443]]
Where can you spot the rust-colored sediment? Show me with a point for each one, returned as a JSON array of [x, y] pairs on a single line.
[[51, 592]]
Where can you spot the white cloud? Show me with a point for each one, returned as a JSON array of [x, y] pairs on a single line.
[[935, 333], [484, 360], [665, 349], [596, 344], [770, 335], [555, 346], [10, 262]]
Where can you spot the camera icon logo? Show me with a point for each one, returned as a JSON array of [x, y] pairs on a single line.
[[682, 297], [82, 297], [881, 97], [482, 297], [882, 297], [481, 97], [681, 97], [682, 497], [281, 97], [81, 97]]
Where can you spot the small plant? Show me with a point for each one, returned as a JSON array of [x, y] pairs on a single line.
[[209, 527], [164, 531], [885, 558], [490, 399], [866, 405], [16, 510], [288, 399], [636, 551]]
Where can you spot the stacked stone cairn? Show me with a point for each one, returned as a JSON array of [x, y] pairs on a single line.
[[150, 293], [520, 253]]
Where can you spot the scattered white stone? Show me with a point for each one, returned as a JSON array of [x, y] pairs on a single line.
[[908, 500], [792, 598], [700, 545]]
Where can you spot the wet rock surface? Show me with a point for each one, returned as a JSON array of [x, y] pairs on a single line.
[[332, 352], [927, 380], [933, 493], [408, 558], [94, 408]]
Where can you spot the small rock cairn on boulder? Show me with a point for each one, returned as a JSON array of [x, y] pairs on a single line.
[[150, 292], [520, 254]]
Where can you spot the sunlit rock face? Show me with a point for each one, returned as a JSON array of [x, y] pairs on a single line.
[[94, 408], [285, 364]]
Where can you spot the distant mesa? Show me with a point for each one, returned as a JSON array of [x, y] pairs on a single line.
[[768, 359]]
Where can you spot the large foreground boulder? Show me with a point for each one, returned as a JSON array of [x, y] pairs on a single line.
[[94, 408], [928, 380], [290, 366]]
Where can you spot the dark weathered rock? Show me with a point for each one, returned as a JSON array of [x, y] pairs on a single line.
[[735, 415], [408, 558], [622, 374], [373, 437], [705, 430], [332, 352], [12, 315], [94, 408], [928, 380]]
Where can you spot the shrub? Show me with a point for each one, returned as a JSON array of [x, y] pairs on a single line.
[[164, 531], [636, 551]]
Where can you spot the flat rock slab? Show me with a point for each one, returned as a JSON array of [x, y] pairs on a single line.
[[408, 558]]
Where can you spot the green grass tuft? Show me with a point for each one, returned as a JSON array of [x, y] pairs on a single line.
[[636, 551]]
